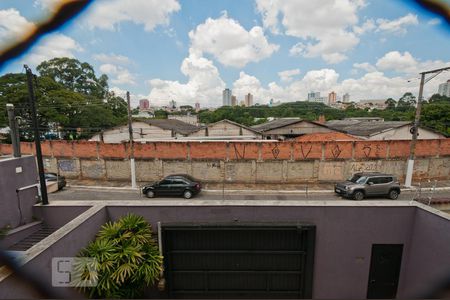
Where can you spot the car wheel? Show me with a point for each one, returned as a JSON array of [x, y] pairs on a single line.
[[393, 194], [150, 194], [358, 195], [187, 194]]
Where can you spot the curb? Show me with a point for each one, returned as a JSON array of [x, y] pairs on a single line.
[[129, 188]]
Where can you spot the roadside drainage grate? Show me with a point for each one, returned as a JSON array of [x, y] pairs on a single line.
[[32, 239]]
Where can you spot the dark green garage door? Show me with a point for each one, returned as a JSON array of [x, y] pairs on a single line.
[[245, 261]]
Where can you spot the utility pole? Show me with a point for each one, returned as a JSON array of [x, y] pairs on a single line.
[[37, 139], [130, 130], [415, 128], [14, 130]]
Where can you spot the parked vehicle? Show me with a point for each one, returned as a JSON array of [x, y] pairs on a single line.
[[55, 177], [362, 185], [174, 185]]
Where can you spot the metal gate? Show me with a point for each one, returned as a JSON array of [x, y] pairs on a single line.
[[238, 261]]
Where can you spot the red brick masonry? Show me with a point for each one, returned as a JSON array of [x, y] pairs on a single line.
[[270, 150]]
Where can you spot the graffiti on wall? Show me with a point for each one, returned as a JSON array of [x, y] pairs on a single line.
[[305, 150], [66, 165], [239, 154], [336, 151], [364, 167], [275, 151], [369, 149]]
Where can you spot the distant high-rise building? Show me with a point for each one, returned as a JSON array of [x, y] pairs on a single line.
[[173, 104], [346, 98], [313, 96], [248, 100], [233, 101], [444, 89], [197, 107], [144, 104], [226, 97], [332, 98]]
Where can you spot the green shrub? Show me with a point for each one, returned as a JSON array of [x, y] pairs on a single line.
[[127, 258]]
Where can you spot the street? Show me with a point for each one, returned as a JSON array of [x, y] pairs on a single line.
[[76, 193]]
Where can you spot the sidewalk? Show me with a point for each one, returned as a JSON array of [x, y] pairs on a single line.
[[254, 188]]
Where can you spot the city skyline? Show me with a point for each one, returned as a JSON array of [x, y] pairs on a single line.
[[180, 51]]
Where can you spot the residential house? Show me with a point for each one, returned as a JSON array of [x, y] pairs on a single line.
[[146, 129], [287, 128], [226, 129], [378, 129]]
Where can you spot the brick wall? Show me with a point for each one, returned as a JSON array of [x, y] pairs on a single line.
[[268, 161], [240, 150]]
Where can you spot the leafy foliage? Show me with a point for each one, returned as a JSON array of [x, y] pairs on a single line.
[[75, 76], [67, 99], [127, 258]]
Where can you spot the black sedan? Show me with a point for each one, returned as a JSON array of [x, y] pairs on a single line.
[[55, 177], [173, 185]]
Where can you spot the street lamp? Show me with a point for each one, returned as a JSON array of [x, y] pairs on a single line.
[[415, 128]]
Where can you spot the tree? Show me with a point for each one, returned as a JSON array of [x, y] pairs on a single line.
[[59, 107], [390, 103], [75, 76], [127, 259], [438, 98]]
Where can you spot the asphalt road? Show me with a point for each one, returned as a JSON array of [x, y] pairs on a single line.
[[71, 194]]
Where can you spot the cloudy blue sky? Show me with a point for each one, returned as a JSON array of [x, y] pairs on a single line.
[[190, 50]]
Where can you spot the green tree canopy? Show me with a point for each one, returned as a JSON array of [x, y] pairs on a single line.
[[63, 100], [75, 75]]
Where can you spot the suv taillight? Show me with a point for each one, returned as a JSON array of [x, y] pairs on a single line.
[[197, 186]]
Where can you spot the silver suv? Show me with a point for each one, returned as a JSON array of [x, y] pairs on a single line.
[[361, 185]]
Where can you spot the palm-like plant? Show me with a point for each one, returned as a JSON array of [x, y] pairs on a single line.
[[127, 259]]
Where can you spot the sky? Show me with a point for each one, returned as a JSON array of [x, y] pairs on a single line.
[[190, 50]]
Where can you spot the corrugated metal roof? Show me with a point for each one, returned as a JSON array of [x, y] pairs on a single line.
[[364, 128], [171, 124], [276, 124]]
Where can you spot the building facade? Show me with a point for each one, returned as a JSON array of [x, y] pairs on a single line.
[[144, 104], [331, 98], [234, 101], [444, 89], [226, 97], [346, 98], [249, 100]]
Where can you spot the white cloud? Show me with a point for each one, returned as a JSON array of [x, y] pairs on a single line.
[[434, 21], [204, 84], [112, 59], [367, 26], [397, 26], [325, 25], [406, 64], [230, 43], [286, 76], [297, 50], [397, 61], [115, 66], [108, 14], [119, 74], [365, 66], [50, 5], [315, 80], [13, 26], [51, 46]]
